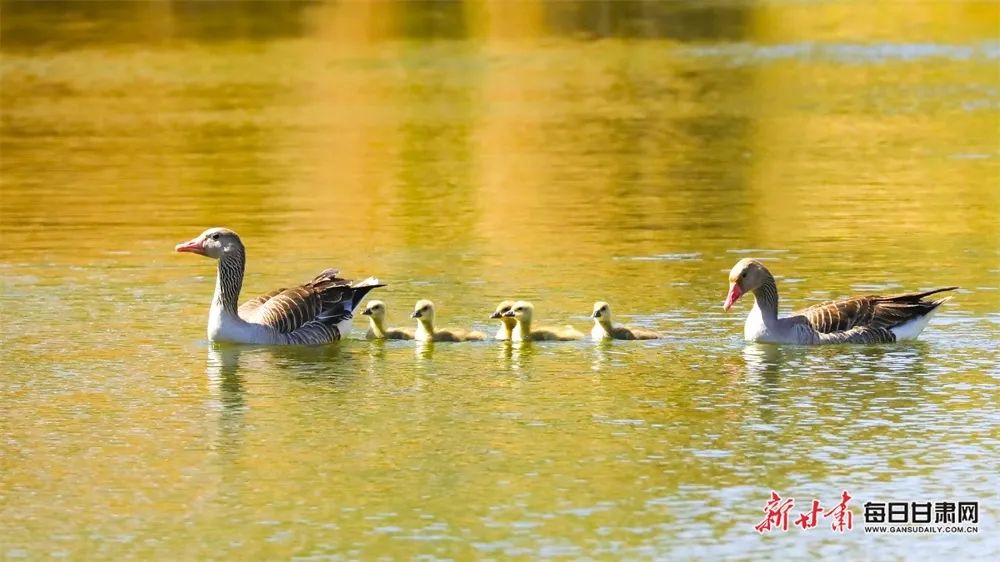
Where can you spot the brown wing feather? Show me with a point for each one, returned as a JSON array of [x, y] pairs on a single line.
[[314, 333], [253, 304], [290, 309], [873, 311], [838, 316], [861, 335]]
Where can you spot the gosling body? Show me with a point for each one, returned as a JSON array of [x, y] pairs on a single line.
[[424, 313], [605, 329], [376, 313], [523, 313]]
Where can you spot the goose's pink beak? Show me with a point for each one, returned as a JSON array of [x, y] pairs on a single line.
[[196, 246], [734, 295]]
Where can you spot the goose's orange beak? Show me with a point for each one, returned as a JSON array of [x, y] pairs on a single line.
[[734, 295], [196, 246]]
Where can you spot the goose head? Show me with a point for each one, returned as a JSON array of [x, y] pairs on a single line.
[[423, 311], [214, 243], [747, 275], [375, 309], [503, 308], [521, 311], [601, 313]]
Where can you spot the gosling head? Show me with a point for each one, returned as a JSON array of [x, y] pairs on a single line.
[[423, 311], [375, 309], [213, 243], [601, 313], [502, 309], [520, 311], [747, 275]]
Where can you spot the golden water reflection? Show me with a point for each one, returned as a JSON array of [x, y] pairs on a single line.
[[563, 152]]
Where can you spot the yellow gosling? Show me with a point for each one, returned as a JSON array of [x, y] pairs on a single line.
[[604, 328], [523, 311], [423, 311], [375, 311], [507, 323]]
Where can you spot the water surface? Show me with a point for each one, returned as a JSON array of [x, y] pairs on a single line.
[[568, 153]]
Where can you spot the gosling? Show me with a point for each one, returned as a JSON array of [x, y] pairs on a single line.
[[423, 311], [605, 330], [507, 323], [375, 311], [522, 311]]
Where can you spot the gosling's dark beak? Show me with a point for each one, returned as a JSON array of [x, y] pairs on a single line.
[[508, 314], [596, 314], [416, 314], [495, 315], [367, 312]]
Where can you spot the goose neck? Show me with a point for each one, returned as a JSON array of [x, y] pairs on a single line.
[[229, 281], [766, 300], [377, 326], [425, 328], [524, 327]]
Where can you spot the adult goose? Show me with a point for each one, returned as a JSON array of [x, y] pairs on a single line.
[[868, 319], [317, 312]]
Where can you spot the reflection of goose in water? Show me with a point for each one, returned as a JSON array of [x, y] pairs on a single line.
[[601, 357], [909, 360], [605, 355], [514, 356], [226, 388], [766, 362], [222, 370], [327, 364], [762, 359], [423, 349], [376, 350]]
